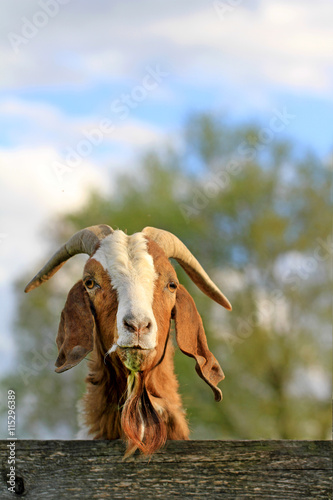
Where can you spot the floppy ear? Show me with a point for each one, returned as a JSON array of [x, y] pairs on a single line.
[[192, 340], [75, 337]]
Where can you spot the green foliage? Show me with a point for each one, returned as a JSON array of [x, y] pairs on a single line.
[[258, 229]]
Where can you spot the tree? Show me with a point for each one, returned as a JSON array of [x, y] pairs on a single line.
[[256, 216]]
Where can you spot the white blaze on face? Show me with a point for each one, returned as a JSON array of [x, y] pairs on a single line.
[[132, 273]]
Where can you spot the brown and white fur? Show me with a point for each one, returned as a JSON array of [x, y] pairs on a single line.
[[120, 313]]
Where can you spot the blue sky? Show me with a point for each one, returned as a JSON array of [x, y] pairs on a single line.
[[64, 63]]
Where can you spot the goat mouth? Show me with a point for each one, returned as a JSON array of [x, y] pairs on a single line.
[[136, 358], [135, 347]]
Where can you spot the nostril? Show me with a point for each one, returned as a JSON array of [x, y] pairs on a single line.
[[129, 325], [134, 325], [145, 326]]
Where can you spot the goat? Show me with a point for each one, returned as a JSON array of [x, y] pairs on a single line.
[[121, 312]]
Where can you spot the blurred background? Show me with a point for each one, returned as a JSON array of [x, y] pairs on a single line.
[[211, 119]]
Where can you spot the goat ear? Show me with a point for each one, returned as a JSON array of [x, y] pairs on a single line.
[[192, 340], [75, 337]]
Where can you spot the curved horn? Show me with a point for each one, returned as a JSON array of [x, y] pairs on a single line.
[[83, 241], [176, 249]]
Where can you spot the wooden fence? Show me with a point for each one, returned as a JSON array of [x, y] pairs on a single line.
[[183, 469]]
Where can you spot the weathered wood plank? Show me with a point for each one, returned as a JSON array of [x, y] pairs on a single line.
[[184, 469]]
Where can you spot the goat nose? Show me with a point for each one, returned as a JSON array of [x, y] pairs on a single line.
[[142, 325]]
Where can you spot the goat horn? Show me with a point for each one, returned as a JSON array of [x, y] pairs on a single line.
[[83, 241], [174, 248]]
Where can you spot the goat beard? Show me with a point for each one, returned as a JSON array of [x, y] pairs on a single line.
[[142, 425]]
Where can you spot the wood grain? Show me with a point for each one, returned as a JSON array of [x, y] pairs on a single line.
[[184, 469]]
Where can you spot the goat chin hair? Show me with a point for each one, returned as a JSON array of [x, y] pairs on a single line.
[[142, 425]]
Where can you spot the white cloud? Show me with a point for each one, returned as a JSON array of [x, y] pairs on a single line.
[[280, 43], [136, 133], [276, 43], [32, 196], [35, 125], [32, 124]]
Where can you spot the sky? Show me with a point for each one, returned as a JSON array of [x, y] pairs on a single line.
[[86, 87]]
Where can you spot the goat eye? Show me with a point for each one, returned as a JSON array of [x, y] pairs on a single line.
[[172, 286], [89, 283]]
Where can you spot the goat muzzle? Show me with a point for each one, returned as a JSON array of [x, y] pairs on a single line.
[[135, 358]]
